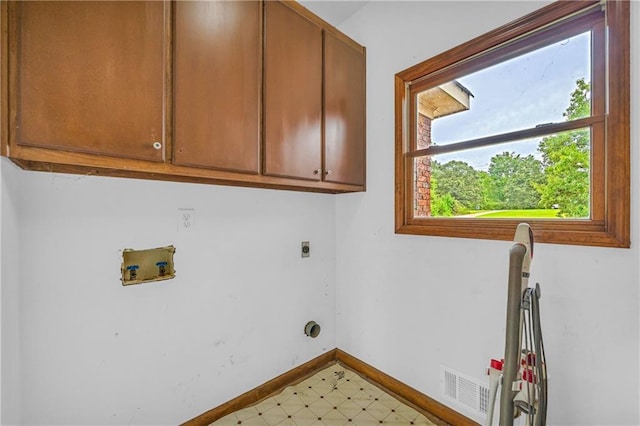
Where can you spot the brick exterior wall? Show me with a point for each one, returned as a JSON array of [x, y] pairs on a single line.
[[423, 169]]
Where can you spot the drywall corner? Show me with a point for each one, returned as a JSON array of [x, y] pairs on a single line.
[[10, 389]]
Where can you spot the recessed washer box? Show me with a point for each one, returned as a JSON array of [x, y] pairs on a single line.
[[143, 266]]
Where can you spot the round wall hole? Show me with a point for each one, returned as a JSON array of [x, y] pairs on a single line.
[[312, 329]]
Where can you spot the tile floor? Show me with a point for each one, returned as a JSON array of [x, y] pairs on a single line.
[[333, 396]]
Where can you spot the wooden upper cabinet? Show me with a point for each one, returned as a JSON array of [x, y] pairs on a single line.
[[293, 94], [217, 82], [344, 111], [90, 77], [248, 93], [314, 101]]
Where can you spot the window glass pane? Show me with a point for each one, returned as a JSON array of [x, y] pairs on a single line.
[[524, 92], [542, 178]]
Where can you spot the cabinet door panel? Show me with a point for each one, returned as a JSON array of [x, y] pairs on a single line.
[[293, 94], [217, 84], [91, 77], [344, 95]]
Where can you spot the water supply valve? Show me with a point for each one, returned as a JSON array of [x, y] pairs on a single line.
[[162, 268], [133, 271]]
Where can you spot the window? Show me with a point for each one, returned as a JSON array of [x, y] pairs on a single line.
[[527, 123]]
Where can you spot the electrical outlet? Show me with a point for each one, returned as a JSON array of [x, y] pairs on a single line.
[[306, 249], [186, 220]]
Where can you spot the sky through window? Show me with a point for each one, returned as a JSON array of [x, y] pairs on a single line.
[[516, 94]]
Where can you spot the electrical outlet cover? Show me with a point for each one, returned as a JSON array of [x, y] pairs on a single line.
[[186, 220]]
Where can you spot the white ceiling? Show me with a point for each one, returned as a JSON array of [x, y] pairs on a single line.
[[334, 12]]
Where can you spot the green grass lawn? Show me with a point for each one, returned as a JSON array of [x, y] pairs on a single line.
[[534, 213]]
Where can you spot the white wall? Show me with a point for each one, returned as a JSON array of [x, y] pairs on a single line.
[[407, 304], [95, 352], [10, 386]]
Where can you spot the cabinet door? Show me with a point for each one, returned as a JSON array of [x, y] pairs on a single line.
[[91, 77], [217, 84], [344, 109], [293, 94]]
